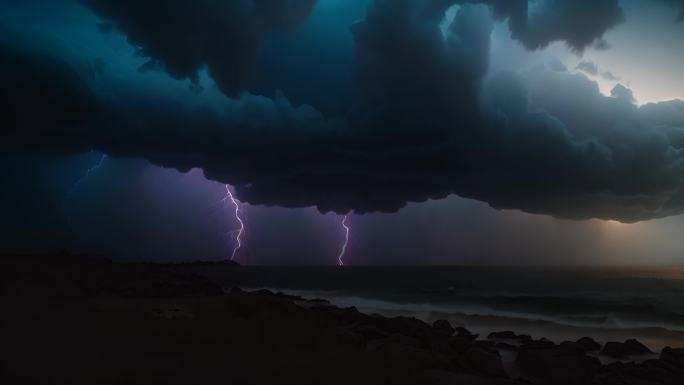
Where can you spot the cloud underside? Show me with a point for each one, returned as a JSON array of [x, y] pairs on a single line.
[[426, 120]]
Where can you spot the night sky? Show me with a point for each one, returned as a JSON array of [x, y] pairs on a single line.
[[446, 131]]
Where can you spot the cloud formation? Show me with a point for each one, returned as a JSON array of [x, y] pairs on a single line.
[[589, 67], [578, 23], [424, 123], [184, 37]]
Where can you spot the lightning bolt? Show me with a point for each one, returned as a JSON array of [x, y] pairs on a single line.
[[240, 231], [343, 251], [75, 187], [86, 175]]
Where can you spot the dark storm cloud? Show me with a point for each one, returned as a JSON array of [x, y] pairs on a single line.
[[44, 102], [225, 36], [592, 69], [609, 76], [622, 92], [183, 37], [424, 123], [578, 23], [589, 67], [680, 5]]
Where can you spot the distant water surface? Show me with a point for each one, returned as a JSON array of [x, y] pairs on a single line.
[[558, 303]]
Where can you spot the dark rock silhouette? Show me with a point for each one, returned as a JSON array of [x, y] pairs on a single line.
[[625, 349], [589, 344], [465, 333], [481, 361], [673, 356], [98, 313], [502, 335], [560, 365], [443, 327]]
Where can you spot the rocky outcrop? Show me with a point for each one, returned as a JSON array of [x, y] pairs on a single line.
[[625, 349], [565, 364], [465, 333], [443, 327], [481, 361], [589, 344], [502, 335], [673, 357], [454, 355]]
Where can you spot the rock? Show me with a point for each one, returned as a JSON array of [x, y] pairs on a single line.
[[443, 327], [401, 347], [460, 344], [164, 286], [589, 344], [506, 346], [538, 344], [651, 375], [442, 377], [673, 357], [263, 292], [559, 365], [524, 337], [635, 347], [480, 361], [653, 371], [485, 344], [465, 333], [614, 349], [313, 303], [407, 326], [369, 332], [502, 335], [572, 347], [511, 338], [624, 349]]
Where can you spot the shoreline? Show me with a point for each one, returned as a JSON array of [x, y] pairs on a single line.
[[487, 320], [81, 323]]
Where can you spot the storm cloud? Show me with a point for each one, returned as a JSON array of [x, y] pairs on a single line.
[[184, 37], [425, 121]]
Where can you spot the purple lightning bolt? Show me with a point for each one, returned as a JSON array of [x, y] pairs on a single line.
[[239, 232], [343, 251]]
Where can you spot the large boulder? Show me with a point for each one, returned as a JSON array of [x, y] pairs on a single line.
[[482, 362], [621, 350], [465, 333], [541, 343], [561, 365], [656, 372], [674, 357], [443, 377], [460, 344], [589, 344], [502, 335], [407, 326], [443, 327]]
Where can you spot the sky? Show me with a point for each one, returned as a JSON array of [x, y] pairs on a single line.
[[445, 131]]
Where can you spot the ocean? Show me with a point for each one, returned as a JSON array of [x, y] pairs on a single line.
[[606, 303]]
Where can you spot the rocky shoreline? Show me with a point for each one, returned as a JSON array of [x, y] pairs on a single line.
[[90, 322], [453, 355]]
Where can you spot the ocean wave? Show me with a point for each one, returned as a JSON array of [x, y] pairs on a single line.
[[627, 313]]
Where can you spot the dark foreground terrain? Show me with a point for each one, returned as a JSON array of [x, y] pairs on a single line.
[[82, 321]]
